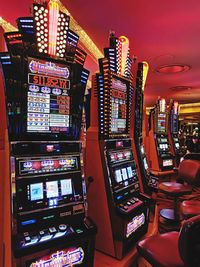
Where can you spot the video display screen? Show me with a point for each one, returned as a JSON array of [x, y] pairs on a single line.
[[161, 123], [124, 176], [177, 145], [49, 192], [48, 100], [66, 187], [163, 147], [118, 122], [52, 189], [36, 191], [48, 165]]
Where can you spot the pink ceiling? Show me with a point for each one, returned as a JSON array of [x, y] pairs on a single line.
[[160, 32]]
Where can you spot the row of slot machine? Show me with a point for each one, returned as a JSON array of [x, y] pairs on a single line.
[[164, 150], [49, 207]]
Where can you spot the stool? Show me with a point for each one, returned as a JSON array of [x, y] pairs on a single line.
[[174, 249], [190, 208], [175, 190]]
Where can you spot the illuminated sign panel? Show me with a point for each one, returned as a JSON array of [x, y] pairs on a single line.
[[48, 68], [48, 105], [134, 224], [63, 258], [48, 165]]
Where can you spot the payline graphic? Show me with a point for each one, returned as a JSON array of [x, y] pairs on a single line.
[[62, 259]]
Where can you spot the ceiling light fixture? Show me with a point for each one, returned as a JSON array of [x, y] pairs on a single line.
[[172, 68], [180, 88]]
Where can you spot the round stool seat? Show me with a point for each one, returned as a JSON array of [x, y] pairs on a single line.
[[161, 250], [175, 189], [168, 214], [190, 208]]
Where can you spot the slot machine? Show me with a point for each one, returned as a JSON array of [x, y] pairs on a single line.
[[149, 181], [45, 222], [160, 157], [173, 127], [116, 202], [2, 100]]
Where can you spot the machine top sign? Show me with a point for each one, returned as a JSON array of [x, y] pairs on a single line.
[[48, 68]]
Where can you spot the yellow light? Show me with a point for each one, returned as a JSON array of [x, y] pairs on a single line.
[[145, 72], [124, 49]]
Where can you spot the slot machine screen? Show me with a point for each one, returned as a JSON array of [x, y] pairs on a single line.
[[48, 193], [36, 191], [66, 187], [161, 122], [119, 105], [52, 189], [124, 176], [177, 145], [48, 100]]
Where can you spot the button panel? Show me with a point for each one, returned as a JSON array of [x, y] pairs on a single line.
[[130, 204], [48, 234]]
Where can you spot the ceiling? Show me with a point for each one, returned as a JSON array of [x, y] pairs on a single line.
[[160, 32]]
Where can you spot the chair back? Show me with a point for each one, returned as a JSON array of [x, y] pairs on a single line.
[[195, 156], [189, 242], [189, 171]]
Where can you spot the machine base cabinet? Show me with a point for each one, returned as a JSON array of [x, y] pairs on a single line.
[[79, 253]]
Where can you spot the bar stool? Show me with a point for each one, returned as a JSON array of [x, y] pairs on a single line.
[[174, 249], [188, 172], [175, 190], [190, 208]]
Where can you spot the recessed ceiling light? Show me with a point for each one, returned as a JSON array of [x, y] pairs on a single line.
[[172, 68], [180, 88]]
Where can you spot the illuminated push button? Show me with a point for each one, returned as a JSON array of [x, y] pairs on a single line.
[[27, 239], [26, 234], [52, 230], [79, 231], [42, 233], [62, 227], [125, 207], [128, 203], [132, 201]]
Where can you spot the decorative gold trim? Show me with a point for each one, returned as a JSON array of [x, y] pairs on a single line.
[[7, 26], [87, 42]]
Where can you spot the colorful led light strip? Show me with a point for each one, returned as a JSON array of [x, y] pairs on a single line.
[[53, 26], [124, 53]]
